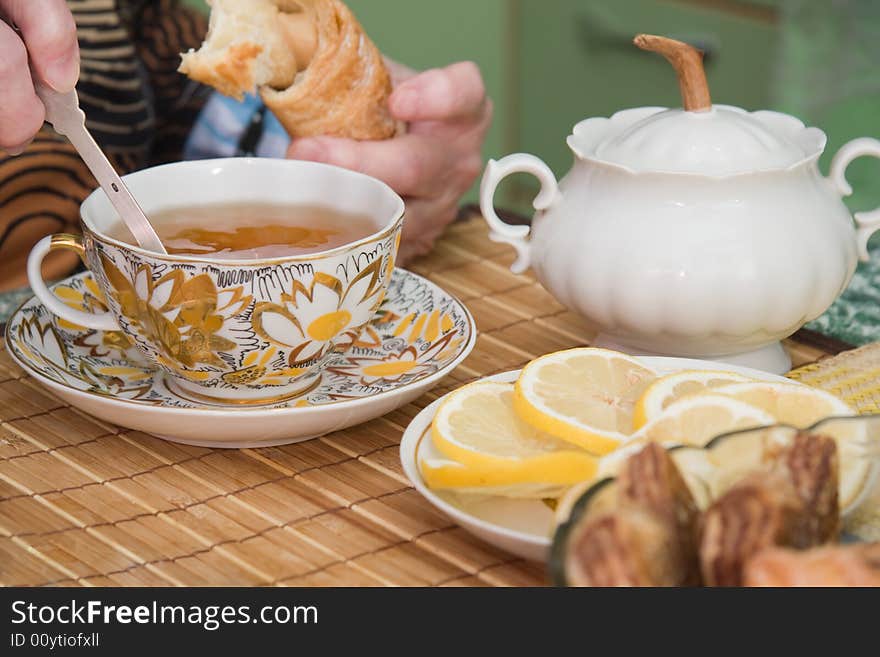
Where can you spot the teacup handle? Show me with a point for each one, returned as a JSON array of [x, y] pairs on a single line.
[[100, 321], [516, 236], [867, 223]]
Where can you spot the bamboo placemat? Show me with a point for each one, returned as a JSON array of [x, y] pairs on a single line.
[[83, 503]]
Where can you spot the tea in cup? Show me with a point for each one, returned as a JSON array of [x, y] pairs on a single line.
[[272, 266]]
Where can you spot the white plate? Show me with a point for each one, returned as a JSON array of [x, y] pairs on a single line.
[[521, 527], [420, 335]]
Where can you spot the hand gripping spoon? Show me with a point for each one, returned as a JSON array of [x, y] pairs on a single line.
[[64, 113]]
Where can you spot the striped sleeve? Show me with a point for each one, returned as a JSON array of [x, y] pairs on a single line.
[[40, 193], [162, 30]]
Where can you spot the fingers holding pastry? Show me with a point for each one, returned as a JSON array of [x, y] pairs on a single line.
[[440, 153], [321, 75], [443, 94], [413, 165], [435, 162], [339, 107]]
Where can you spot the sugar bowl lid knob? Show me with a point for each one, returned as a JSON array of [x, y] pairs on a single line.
[[688, 64]]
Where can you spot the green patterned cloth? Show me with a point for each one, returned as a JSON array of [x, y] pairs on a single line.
[[855, 316]]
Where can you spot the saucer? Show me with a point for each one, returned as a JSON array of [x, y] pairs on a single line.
[[420, 334], [519, 526]]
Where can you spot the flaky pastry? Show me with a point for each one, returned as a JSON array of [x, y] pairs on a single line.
[[310, 60]]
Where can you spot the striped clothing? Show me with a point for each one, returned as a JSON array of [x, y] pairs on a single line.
[[139, 108]]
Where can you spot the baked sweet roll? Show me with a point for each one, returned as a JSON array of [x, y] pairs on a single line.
[[310, 61], [791, 503], [775, 521], [640, 531]]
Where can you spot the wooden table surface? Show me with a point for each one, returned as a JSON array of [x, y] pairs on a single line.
[[83, 503]]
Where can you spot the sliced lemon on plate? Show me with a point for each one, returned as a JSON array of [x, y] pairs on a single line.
[[480, 441], [697, 420], [514, 481], [790, 403], [671, 388], [583, 396]]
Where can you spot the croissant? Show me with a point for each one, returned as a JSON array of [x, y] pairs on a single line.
[[310, 60]]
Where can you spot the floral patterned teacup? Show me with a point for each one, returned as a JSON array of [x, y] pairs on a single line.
[[235, 331]]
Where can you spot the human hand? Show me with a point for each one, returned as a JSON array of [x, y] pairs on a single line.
[[48, 29], [434, 162]]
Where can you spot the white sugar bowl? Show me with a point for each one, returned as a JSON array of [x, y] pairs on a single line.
[[704, 232]]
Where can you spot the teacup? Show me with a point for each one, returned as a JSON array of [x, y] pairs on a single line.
[[234, 331]]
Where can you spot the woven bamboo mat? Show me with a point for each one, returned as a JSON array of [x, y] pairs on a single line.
[[83, 503]]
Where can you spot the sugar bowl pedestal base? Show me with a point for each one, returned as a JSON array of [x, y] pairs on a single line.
[[771, 358]]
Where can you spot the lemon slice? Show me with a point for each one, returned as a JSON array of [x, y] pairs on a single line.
[[790, 403], [583, 396], [670, 388], [443, 474], [477, 428], [697, 420]]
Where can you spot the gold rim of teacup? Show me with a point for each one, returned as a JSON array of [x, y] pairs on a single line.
[[255, 264], [392, 226]]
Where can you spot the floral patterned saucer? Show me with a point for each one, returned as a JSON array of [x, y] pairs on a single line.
[[419, 335]]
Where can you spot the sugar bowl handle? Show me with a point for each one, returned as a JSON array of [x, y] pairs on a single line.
[[516, 236], [867, 223]]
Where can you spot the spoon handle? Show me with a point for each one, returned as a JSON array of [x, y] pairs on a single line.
[[68, 119]]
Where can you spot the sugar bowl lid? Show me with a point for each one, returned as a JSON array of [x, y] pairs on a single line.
[[702, 138]]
